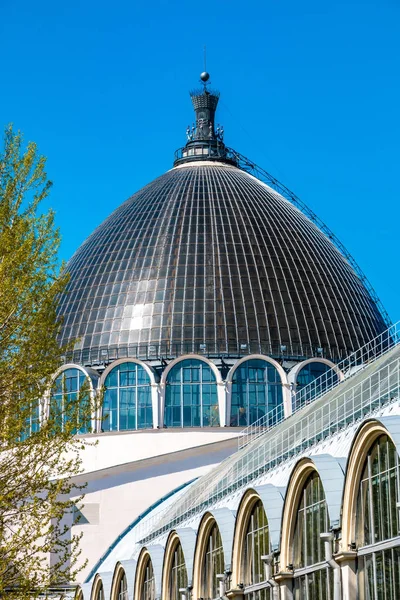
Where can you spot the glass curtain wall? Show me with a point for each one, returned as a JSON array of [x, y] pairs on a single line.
[[256, 545], [256, 391], [313, 579], [148, 591], [67, 388], [127, 399], [191, 395], [377, 521], [309, 373], [213, 565], [178, 576], [123, 588]]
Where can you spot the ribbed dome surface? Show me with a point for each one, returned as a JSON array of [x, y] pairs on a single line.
[[207, 257]]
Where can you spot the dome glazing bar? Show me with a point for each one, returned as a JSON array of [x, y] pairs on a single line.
[[250, 167]]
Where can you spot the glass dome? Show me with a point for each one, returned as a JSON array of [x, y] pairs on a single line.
[[209, 259], [206, 256]]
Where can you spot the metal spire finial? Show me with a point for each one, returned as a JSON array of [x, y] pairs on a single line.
[[205, 76]]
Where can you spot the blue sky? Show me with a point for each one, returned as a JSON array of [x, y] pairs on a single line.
[[309, 90]]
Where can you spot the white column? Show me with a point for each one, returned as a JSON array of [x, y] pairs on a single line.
[[155, 402], [287, 399], [222, 403]]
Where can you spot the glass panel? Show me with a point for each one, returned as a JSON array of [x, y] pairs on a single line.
[[377, 517], [178, 575], [213, 564], [191, 385], [70, 400], [309, 373], [256, 546], [312, 519], [127, 399], [148, 586], [256, 390]]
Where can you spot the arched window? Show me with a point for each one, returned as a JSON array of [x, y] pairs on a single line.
[[122, 588], [322, 374], [70, 400], [377, 521], [308, 548], [213, 564], [191, 395], [178, 576], [127, 399], [32, 420], [256, 391], [256, 545], [100, 592], [148, 591]]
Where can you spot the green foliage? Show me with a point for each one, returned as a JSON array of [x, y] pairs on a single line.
[[35, 469]]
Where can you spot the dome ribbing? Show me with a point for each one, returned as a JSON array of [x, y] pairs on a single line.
[[207, 258]]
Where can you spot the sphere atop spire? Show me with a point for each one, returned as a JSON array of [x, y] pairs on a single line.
[[204, 76]]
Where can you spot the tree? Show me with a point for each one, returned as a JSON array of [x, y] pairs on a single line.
[[36, 462]]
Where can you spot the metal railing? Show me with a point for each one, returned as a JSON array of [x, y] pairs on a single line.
[[103, 355], [248, 165], [371, 389], [349, 367]]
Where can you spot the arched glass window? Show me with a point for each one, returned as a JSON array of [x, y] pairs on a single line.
[[324, 378], [308, 549], [100, 593], [123, 588], [127, 399], [256, 391], [148, 591], [178, 576], [68, 388], [256, 545], [32, 420], [191, 395], [377, 521], [213, 564]]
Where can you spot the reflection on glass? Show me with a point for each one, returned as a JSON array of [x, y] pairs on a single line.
[[148, 591], [123, 588], [377, 520], [127, 399], [178, 577], [211, 256], [191, 395], [318, 372], [213, 564], [308, 548], [256, 391], [256, 545], [67, 389], [32, 420]]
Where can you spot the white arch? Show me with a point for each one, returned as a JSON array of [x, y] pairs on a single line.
[[156, 553], [174, 362], [187, 537], [294, 372], [153, 385], [90, 374], [286, 394], [219, 383], [121, 361], [107, 580]]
